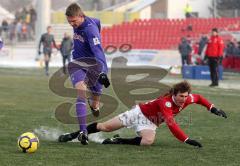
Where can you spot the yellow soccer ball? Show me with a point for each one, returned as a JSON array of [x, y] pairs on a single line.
[[28, 142]]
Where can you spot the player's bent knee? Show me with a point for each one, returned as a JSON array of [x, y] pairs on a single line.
[[147, 141], [81, 86], [104, 127]]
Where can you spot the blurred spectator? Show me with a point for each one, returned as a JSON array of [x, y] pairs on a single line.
[[66, 48], [230, 49], [238, 49], [185, 50], [28, 17], [19, 31], [0, 30], [232, 56], [12, 32], [202, 43], [1, 44], [237, 57], [33, 18], [188, 11], [97, 5], [5, 29], [24, 31], [196, 58], [18, 14], [23, 14], [189, 28]]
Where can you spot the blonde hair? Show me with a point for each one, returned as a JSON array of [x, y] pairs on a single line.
[[74, 10]]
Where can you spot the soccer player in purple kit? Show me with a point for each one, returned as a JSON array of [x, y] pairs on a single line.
[[86, 49]]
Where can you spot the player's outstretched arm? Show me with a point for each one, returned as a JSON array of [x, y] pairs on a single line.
[[218, 112], [198, 99], [193, 143]]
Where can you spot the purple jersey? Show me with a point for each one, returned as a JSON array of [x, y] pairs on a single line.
[[87, 42]]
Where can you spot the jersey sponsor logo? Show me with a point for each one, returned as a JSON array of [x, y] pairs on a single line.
[[78, 37], [168, 104], [96, 41]]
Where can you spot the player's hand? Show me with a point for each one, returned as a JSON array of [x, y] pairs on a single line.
[[103, 79], [193, 143], [218, 112], [39, 52]]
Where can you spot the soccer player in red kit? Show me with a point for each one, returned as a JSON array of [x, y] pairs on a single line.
[[144, 118]]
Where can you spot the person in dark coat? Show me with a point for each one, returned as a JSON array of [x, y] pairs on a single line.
[[185, 50], [202, 43], [66, 49]]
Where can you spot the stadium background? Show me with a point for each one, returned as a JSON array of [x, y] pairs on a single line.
[[154, 29]]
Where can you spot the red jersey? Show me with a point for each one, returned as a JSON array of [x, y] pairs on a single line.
[[163, 109], [215, 47]]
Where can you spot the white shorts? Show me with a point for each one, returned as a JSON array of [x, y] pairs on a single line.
[[135, 119]]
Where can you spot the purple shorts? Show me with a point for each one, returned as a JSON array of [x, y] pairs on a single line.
[[92, 83], [87, 70]]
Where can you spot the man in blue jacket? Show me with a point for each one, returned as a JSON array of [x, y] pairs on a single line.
[[89, 70]]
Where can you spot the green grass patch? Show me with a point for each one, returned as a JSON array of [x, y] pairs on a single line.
[[26, 103]]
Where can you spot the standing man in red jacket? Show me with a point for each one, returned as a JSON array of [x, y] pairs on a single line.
[[144, 118], [214, 54]]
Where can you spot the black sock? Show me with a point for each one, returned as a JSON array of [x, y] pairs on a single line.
[[92, 128], [46, 66], [130, 141]]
